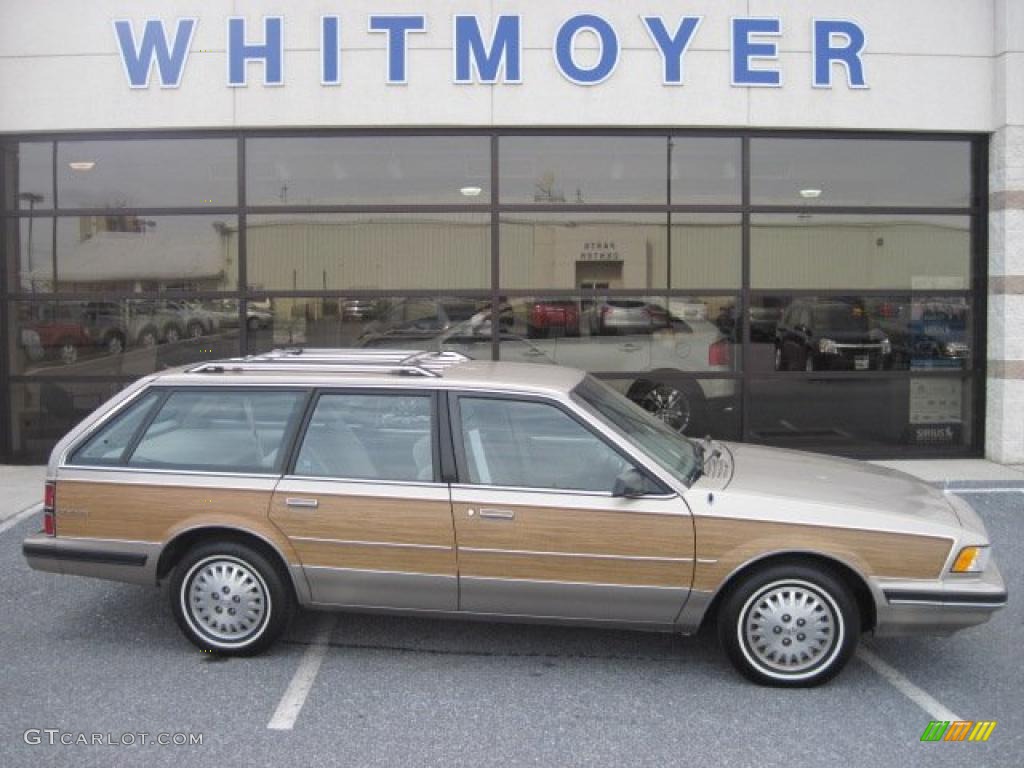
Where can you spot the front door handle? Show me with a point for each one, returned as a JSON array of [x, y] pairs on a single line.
[[498, 514], [302, 503]]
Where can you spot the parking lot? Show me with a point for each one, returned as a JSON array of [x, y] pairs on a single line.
[[91, 657]]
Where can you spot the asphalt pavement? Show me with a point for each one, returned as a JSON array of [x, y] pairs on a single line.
[[85, 658]]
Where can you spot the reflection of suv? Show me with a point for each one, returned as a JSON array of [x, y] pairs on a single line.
[[411, 483], [411, 320], [116, 326], [828, 335], [58, 333], [626, 316]]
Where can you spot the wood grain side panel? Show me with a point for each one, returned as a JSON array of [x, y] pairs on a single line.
[[578, 569], [733, 542], [398, 559], [577, 531], [384, 521], [355, 518], [149, 512]]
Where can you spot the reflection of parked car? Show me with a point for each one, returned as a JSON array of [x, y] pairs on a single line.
[[258, 315], [658, 361], [625, 316], [58, 334], [417, 319], [553, 317], [362, 308], [188, 319], [116, 326], [827, 335], [928, 334]]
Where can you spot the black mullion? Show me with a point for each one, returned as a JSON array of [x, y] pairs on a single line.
[[495, 254], [668, 215], [744, 309], [979, 289], [864, 210], [243, 255]]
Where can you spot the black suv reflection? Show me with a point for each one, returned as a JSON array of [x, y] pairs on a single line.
[[829, 335]]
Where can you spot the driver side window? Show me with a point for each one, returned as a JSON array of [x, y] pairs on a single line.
[[526, 444]]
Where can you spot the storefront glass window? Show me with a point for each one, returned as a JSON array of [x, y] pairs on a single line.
[[27, 175]]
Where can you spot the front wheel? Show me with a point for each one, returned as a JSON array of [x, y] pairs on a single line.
[[228, 598], [789, 626]]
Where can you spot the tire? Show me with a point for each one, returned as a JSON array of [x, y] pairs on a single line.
[[148, 338], [246, 574], [114, 344], [67, 351], [680, 404], [765, 609]]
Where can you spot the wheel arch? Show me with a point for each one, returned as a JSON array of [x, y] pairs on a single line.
[[850, 576], [176, 548]]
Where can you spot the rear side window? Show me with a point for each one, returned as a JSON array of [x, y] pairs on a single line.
[[108, 445], [369, 437], [218, 430]]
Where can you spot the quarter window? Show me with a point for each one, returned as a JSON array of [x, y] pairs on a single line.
[[369, 437], [534, 445], [108, 445], [239, 431]]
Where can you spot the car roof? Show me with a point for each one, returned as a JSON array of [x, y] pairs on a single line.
[[427, 371]]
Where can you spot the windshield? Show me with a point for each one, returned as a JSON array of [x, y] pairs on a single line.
[[671, 450], [840, 318]]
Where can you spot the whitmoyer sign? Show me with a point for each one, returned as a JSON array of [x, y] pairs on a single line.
[[158, 49]]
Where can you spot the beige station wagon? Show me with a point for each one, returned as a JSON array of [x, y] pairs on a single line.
[[423, 483]]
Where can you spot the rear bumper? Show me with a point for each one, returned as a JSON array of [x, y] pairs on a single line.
[[129, 561], [941, 608]]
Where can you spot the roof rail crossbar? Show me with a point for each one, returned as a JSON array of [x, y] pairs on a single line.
[[323, 360]]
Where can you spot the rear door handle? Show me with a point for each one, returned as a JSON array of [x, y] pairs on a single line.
[[498, 514], [302, 503]]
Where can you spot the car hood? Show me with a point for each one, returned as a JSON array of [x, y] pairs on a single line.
[[839, 483]]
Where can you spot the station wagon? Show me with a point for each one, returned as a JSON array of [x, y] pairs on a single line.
[[424, 483]]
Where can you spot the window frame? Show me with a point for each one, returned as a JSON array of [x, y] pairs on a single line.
[[383, 391], [455, 398]]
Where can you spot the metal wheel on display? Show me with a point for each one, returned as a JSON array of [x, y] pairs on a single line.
[[679, 404]]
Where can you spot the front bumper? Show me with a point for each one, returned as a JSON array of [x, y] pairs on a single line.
[[939, 608]]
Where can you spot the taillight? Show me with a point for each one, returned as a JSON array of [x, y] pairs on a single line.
[[719, 353], [50, 509]]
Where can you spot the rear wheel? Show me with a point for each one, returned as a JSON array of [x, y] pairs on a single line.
[[789, 625], [229, 598]]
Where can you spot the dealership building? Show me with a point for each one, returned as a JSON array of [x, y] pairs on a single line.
[[798, 224]]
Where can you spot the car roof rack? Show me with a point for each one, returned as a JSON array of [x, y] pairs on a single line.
[[407, 362]]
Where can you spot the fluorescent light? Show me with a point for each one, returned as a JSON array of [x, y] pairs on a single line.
[[810, 194], [471, 191], [82, 165]]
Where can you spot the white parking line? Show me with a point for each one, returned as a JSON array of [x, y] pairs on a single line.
[[13, 520], [926, 702], [291, 703]]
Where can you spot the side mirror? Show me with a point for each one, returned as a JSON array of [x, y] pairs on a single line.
[[630, 484]]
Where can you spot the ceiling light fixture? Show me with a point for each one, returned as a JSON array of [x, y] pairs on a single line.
[[810, 194], [471, 191], [82, 165]]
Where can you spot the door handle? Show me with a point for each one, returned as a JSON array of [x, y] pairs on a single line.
[[302, 503], [497, 514]]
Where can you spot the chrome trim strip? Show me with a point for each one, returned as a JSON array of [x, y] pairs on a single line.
[[114, 541], [563, 492], [574, 583], [361, 543], [159, 471], [365, 570], [361, 481], [589, 555], [943, 604]]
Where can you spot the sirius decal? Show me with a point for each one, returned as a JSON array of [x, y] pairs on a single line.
[[491, 53]]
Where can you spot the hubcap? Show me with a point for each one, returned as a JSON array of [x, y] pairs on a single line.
[[790, 628], [225, 599], [668, 404]]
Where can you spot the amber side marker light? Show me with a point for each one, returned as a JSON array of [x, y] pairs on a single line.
[[971, 560], [50, 509]]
